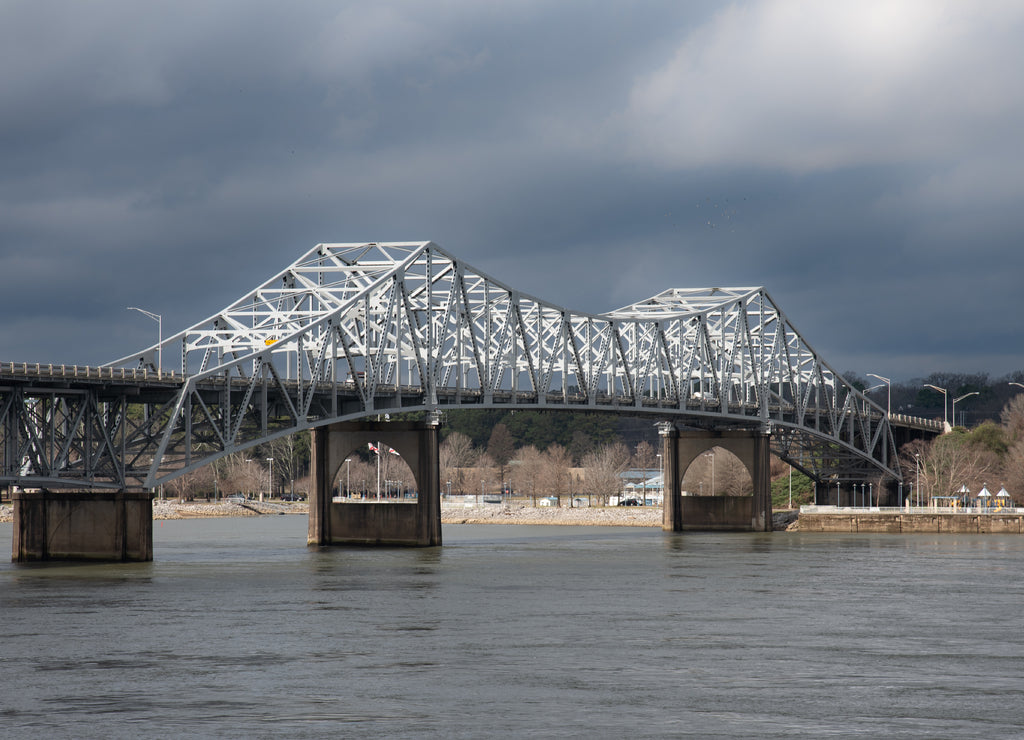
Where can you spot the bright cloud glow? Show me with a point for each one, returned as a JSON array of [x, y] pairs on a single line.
[[808, 86]]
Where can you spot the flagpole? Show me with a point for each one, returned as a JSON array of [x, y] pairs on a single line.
[[378, 470]]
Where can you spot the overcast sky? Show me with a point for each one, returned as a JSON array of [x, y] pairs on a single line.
[[863, 161]]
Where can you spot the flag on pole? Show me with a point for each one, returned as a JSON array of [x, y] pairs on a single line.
[[392, 451], [372, 448]]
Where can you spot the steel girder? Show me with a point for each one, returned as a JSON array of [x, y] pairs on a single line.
[[351, 330]]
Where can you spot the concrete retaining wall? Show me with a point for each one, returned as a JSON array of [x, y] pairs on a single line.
[[897, 523]]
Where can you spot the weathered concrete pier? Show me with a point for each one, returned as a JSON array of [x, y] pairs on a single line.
[[82, 525], [416, 524], [708, 513]]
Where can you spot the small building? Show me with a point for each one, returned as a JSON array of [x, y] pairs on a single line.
[[647, 490]]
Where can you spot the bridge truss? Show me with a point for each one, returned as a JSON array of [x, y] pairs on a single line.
[[355, 330]]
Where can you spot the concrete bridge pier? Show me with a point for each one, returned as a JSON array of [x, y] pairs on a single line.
[[744, 513], [416, 524], [82, 525]]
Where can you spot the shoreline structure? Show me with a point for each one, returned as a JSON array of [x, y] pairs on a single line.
[[599, 516], [817, 519]]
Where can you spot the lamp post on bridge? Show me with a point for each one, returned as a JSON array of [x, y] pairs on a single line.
[[966, 395], [159, 337], [945, 395], [888, 400]]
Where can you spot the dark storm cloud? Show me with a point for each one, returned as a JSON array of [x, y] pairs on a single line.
[[860, 160]]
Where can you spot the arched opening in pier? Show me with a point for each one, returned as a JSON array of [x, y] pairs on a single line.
[[717, 472], [374, 472]]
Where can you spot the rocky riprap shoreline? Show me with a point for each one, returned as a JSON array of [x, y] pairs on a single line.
[[625, 516], [198, 510]]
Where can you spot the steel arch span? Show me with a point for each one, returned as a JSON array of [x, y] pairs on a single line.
[[355, 330]]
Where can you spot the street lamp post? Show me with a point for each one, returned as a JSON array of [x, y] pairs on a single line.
[[888, 400], [270, 481], [966, 395], [711, 454], [159, 336], [945, 395], [661, 472], [348, 477], [917, 470]]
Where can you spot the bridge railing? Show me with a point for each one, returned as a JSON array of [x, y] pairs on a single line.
[[917, 422], [42, 371]]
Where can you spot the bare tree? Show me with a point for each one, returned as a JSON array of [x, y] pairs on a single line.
[[186, 487], [948, 463], [290, 456], [457, 455], [484, 475], [1012, 475], [1012, 417], [701, 477], [603, 468], [365, 472], [501, 448], [527, 471], [554, 476], [731, 476], [395, 473], [457, 451]]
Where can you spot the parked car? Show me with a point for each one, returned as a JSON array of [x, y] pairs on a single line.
[[236, 498], [293, 497]]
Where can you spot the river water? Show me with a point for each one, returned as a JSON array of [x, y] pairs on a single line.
[[237, 629]]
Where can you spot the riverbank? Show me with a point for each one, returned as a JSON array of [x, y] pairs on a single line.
[[616, 516]]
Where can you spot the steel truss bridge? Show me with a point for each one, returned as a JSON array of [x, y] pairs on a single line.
[[361, 330]]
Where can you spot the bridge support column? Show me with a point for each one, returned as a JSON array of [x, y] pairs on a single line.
[[672, 485], [83, 525], [748, 513], [415, 524]]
